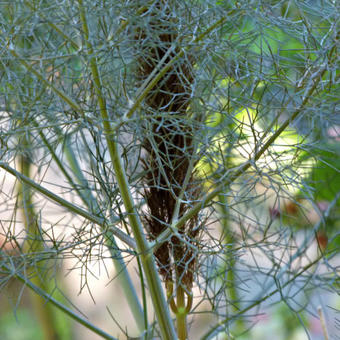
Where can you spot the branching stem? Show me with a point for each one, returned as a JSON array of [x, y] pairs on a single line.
[[147, 258]]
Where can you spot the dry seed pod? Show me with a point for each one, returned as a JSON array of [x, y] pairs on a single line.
[[170, 146]]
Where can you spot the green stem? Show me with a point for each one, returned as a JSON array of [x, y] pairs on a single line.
[[181, 315], [33, 244], [146, 256], [229, 242]]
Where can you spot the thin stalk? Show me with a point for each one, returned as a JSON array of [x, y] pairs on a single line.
[[229, 242], [118, 261], [323, 323], [145, 305], [71, 207], [147, 258], [58, 161], [181, 314], [33, 244]]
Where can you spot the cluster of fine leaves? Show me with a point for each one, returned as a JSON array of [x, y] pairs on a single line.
[[197, 141]]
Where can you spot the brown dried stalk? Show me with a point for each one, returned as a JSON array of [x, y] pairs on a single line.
[[170, 148]]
